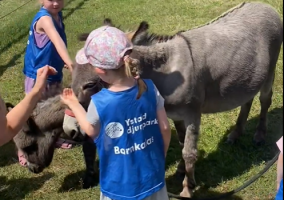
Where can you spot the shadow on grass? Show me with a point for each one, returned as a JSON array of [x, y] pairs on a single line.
[[73, 182], [229, 161], [12, 62], [17, 189]]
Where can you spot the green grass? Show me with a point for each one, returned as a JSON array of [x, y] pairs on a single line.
[[220, 167]]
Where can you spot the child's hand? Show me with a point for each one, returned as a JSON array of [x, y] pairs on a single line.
[[68, 67], [42, 74], [68, 97]]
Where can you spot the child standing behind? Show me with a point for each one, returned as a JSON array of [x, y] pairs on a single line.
[[127, 121], [46, 46]]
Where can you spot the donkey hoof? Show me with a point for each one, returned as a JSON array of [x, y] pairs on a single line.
[[89, 182]]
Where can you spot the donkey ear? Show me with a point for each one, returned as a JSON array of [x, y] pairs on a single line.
[[143, 26], [107, 22], [83, 36], [30, 126]]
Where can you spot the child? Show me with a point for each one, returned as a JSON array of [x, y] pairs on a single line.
[[12, 122], [46, 46], [279, 195], [131, 131]]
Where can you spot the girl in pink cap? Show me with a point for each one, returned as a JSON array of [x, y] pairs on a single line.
[[132, 143]]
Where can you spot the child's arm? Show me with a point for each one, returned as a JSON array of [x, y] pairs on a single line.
[[165, 128], [68, 97], [163, 121], [81, 116], [46, 25], [279, 169]]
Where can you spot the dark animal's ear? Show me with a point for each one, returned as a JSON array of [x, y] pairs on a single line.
[[83, 36], [144, 26], [107, 22], [30, 126], [9, 106]]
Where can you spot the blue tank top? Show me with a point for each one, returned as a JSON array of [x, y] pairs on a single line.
[[36, 57], [130, 144]]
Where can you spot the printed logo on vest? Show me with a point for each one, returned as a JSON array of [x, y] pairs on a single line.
[[139, 123], [135, 147], [114, 130]]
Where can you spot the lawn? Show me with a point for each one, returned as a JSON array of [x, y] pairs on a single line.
[[220, 168]]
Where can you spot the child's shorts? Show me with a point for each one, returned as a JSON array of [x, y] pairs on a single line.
[[29, 84], [160, 195]]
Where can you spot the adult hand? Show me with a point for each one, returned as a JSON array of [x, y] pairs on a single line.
[[68, 97], [42, 75]]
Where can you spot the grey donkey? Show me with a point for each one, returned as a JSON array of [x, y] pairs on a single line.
[[212, 68], [38, 136]]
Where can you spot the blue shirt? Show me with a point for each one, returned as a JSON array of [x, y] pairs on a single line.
[[130, 144], [36, 57]]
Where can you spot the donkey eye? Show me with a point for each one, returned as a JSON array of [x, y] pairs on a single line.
[[88, 86]]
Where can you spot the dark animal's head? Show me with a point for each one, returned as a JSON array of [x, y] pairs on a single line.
[[85, 83], [39, 134]]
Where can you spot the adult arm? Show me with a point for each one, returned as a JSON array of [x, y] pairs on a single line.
[[14, 120], [12, 123]]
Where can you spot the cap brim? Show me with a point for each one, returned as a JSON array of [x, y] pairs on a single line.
[[81, 57]]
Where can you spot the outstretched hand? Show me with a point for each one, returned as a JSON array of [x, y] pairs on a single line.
[[68, 97], [42, 75]]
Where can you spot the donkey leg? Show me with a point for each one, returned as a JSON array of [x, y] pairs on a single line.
[[180, 128], [189, 151], [241, 121], [265, 102], [89, 150]]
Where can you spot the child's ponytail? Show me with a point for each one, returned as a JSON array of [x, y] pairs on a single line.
[[131, 69]]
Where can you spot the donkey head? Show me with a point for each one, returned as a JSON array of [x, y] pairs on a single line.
[[39, 134], [85, 83]]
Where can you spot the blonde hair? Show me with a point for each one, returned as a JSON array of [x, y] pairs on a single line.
[[131, 70]]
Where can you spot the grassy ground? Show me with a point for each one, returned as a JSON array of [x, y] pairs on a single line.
[[220, 167]]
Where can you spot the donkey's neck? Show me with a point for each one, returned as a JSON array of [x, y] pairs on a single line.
[[151, 57]]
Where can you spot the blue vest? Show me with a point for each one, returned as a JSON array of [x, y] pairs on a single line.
[[36, 57], [130, 144]]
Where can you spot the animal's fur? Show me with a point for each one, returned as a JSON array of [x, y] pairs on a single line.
[[213, 68], [38, 136]]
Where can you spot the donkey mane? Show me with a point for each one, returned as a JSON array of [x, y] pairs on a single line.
[[221, 16]]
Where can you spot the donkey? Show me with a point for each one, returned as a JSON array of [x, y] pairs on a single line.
[[38, 136], [212, 68]]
